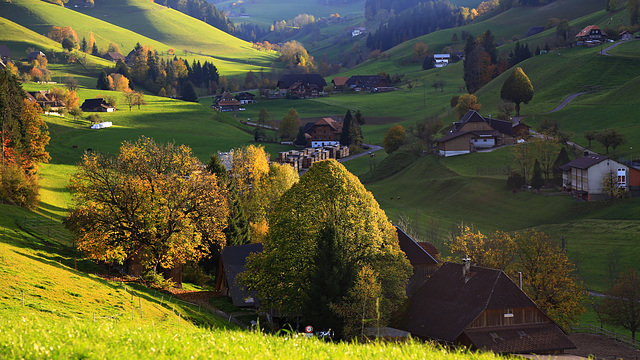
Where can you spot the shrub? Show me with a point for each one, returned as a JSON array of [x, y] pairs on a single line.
[[156, 280]]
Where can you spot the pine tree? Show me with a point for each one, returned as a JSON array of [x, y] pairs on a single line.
[[103, 81], [216, 167], [83, 47], [94, 50], [563, 158], [237, 231], [301, 139], [330, 282], [188, 92], [537, 181], [345, 136]]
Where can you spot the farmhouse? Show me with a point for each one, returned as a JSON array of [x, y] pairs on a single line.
[[422, 259], [114, 56], [590, 35], [300, 90], [233, 260], [441, 60], [226, 102], [584, 177], [45, 99], [483, 309], [286, 81], [366, 82], [245, 98], [358, 31], [338, 82], [97, 105], [34, 55], [325, 131], [474, 132], [625, 35]]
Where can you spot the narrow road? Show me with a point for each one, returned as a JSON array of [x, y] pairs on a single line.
[[565, 102], [606, 51], [372, 149]]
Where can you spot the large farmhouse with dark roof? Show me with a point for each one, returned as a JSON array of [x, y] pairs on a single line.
[[474, 132], [325, 132], [97, 105], [286, 81], [366, 82], [483, 309]]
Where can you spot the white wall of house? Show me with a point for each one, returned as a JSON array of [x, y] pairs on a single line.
[[316, 144], [484, 142], [591, 179]]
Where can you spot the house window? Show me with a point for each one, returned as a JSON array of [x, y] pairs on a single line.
[[495, 337], [622, 178], [508, 313]]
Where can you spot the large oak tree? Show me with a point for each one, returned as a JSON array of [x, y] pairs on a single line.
[[152, 201], [517, 89]]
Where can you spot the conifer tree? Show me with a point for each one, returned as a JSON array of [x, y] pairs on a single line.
[[345, 136], [537, 181], [103, 81], [94, 50], [563, 158], [237, 231]]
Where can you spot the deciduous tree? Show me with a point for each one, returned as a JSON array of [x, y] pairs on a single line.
[[152, 201], [394, 138], [465, 103], [517, 88], [622, 305], [290, 124], [329, 194]]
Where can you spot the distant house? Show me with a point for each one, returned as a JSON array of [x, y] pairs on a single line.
[[625, 35], [474, 132], [583, 177], [286, 81], [45, 99], [366, 82], [245, 98], [482, 309], [97, 105], [339, 81], [34, 55], [233, 260], [358, 31], [325, 132], [227, 102], [422, 257], [114, 56], [521, 130], [300, 90], [590, 35], [5, 53], [441, 60]]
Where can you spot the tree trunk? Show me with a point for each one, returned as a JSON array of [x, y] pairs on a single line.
[[517, 108]]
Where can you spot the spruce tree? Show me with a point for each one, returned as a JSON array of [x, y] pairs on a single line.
[[301, 139], [83, 47], [188, 92], [94, 50], [237, 230], [330, 282], [216, 167], [103, 81], [537, 181], [563, 158], [345, 135]]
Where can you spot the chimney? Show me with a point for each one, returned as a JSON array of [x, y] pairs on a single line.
[[466, 267]]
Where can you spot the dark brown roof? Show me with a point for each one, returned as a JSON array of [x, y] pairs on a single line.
[[453, 136], [415, 253], [4, 51], [585, 162], [336, 126], [534, 338], [286, 81], [115, 56], [448, 302], [588, 29]]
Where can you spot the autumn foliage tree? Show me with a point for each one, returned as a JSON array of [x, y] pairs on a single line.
[[151, 201], [24, 137], [328, 195], [547, 273], [394, 138], [465, 103], [621, 306], [517, 88]]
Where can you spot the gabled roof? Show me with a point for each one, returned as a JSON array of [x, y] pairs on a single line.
[[245, 95], [585, 162], [286, 81], [35, 54], [538, 338], [449, 302], [4, 51], [588, 29], [112, 55], [339, 80], [336, 126], [94, 103], [416, 254], [234, 259], [503, 126]]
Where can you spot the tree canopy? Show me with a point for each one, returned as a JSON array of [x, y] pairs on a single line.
[[328, 194], [151, 200], [517, 89]]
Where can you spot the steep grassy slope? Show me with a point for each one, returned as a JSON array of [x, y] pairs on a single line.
[[127, 22]]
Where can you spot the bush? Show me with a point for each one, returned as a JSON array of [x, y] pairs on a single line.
[[194, 274], [16, 188], [515, 181], [156, 280]]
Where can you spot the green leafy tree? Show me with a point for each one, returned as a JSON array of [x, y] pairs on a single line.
[[68, 44], [328, 194], [301, 139], [590, 135], [394, 138], [611, 187], [517, 88], [290, 124], [151, 201], [610, 138], [216, 167], [622, 305], [263, 117]]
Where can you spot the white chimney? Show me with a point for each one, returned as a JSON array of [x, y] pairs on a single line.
[[466, 266]]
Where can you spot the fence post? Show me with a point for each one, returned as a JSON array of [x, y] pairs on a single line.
[[161, 300]]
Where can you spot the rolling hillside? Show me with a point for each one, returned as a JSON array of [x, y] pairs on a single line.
[[127, 22]]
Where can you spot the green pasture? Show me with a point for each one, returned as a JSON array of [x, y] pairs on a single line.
[[628, 49], [145, 23]]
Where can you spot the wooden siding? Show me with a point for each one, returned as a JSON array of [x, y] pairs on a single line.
[[495, 317], [457, 144], [476, 126]]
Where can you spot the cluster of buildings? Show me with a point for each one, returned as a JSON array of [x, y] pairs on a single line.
[[229, 102], [592, 35], [304, 159], [453, 304]]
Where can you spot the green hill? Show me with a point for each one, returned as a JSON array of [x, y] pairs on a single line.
[[127, 22]]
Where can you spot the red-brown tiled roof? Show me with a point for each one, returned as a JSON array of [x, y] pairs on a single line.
[[533, 338], [340, 80], [588, 29]]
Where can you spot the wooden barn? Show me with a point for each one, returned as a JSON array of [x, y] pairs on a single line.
[[474, 132], [232, 262], [481, 308], [422, 257]]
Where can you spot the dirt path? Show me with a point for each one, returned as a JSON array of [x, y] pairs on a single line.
[[565, 102]]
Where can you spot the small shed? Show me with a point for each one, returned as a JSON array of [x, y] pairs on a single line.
[[625, 35], [233, 261], [34, 55]]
